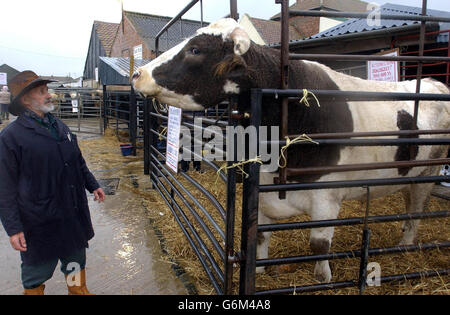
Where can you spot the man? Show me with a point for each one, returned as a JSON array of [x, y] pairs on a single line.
[[4, 103], [43, 203]]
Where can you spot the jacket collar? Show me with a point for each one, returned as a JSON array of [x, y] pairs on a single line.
[[27, 122]]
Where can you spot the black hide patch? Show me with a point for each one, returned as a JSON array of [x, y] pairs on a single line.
[[406, 152], [192, 70]]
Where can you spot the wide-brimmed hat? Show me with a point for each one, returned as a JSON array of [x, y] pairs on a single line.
[[21, 84]]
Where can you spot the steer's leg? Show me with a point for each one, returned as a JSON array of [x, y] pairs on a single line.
[[416, 199], [320, 238], [262, 251]]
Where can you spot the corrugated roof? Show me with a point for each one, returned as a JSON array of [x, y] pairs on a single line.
[[361, 25], [122, 65], [148, 26], [270, 31], [106, 33], [328, 5]]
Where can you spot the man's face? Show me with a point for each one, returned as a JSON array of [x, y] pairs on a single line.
[[38, 100]]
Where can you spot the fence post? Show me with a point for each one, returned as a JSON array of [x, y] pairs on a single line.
[[146, 136], [152, 138], [133, 119], [231, 205], [105, 112], [250, 201]]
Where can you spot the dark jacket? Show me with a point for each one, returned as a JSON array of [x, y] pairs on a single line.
[[42, 190]]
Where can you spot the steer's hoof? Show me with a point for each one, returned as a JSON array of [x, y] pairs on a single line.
[[322, 273]]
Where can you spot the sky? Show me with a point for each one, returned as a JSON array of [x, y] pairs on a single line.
[[51, 37]]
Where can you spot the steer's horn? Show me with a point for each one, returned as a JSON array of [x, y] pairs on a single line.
[[241, 41]]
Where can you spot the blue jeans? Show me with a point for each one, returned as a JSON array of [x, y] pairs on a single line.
[[34, 276]]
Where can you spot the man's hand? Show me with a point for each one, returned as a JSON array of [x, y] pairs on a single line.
[[18, 242], [99, 195]]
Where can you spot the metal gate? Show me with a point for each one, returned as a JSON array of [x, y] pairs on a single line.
[[212, 240], [252, 188], [80, 109]]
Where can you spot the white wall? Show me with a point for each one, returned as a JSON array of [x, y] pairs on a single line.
[[327, 23]]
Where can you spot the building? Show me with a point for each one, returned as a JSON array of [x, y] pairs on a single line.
[[7, 73], [266, 32], [308, 26], [355, 36], [100, 44], [137, 32]]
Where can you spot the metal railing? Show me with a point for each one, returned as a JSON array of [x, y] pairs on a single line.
[[252, 188], [79, 108], [212, 240]]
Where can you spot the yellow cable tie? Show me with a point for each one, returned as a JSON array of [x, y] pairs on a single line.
[[289, 142], [304, 99], [163, 133], [237, 165]]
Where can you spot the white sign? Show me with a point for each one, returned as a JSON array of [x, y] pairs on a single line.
[[3, 78], [74, 106], [137, 52], [173, 138], [96, 74], [384, 70]]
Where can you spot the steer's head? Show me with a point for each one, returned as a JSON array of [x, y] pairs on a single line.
[[200, 71]]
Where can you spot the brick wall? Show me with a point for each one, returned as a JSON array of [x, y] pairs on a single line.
[[126, 40], [306, 26]]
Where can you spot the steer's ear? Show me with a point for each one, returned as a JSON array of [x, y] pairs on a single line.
[[241, 41]]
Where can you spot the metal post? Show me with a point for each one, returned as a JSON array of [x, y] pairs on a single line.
[[133, 119], [146, 136], [201, 13], [105, 111], [364, 247], [234, 10], [231, 206], [117, 113], [447, 81], [152, 138], [250, 201], [421, 53], [284, 82], [79, 112]]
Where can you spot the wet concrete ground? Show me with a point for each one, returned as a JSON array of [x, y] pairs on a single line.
[[124, 256]]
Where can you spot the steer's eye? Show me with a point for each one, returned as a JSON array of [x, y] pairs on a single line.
[[195, 51]]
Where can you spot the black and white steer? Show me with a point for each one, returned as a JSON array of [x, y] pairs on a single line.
[[221, 60]]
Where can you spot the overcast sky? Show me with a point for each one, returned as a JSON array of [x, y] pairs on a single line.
[[51, 37]]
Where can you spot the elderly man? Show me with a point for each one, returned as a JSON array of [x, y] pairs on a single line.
[[43, 203]]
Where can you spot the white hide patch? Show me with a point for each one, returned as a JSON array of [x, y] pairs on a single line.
[[229, 29], [223, 27], [231, 87]]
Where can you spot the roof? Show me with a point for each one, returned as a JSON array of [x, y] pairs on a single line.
[[270, 31], [106, 32], [328, 5], [59, 79], [116, 71], [361, 25], [148, 26], [10, 71]]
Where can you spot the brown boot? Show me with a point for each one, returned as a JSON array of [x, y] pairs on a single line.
[[36, 291], [79, 290]]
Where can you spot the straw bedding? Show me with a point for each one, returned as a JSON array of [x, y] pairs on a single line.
[[104, 154]]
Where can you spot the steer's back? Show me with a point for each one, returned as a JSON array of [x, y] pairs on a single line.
[[389, 116]]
